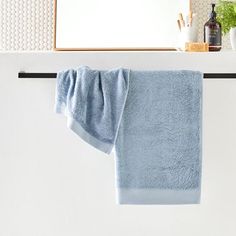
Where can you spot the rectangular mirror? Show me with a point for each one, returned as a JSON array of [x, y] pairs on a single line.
[[117, 24]]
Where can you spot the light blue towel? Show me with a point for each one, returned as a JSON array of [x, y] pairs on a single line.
[[93, 102], [158, 148], [156, 129]]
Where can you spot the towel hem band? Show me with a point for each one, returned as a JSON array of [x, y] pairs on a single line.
[[157, 196], [78, 129]]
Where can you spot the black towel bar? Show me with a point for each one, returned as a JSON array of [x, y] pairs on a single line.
[[23, 75]]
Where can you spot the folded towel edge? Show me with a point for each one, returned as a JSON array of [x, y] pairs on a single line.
[[72, 124], [84, 135]]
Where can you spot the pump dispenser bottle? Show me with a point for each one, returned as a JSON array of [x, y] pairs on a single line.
[[212, 32]]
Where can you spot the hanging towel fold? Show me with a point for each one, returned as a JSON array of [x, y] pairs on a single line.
[[154, 120], [93, 102]]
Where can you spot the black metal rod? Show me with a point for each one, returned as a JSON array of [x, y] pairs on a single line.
[[220, 75], [37, 75], [54, 75]]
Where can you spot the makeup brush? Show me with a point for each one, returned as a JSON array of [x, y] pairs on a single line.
[[190, 5], [179, 25], [181, 19], [190, 16]]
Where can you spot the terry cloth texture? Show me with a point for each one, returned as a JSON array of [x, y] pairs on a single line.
[[93, 102], [158, 148], [156, 129]]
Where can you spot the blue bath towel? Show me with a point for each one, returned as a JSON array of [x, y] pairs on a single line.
[[93, 102], [156, 128]]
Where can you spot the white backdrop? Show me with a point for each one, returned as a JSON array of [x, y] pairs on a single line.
[[54, 184]]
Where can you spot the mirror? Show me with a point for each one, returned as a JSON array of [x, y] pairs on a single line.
[[117, 24]]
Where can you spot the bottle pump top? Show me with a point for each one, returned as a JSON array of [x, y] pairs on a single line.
[[213, 13]]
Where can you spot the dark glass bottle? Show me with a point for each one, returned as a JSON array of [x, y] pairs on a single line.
[[212, 32]]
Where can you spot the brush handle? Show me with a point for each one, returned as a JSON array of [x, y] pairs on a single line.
[[190, 18], [190, 5], [181, 19], [179, 25]]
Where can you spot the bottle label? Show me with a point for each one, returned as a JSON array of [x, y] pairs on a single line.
[[213, 36]]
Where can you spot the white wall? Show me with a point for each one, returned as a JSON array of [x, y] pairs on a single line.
[[53, 184]]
